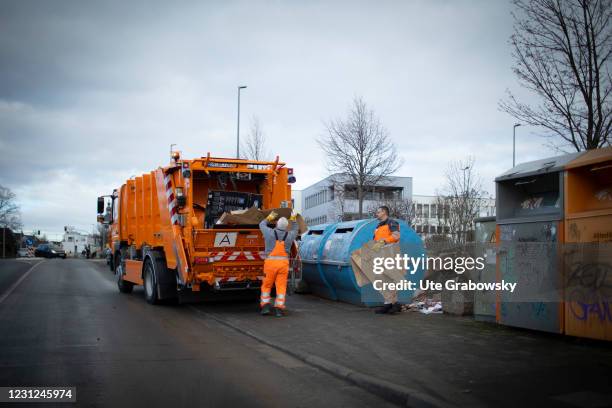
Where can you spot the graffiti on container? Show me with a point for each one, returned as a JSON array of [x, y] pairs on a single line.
[[574, 232], [604, 195], [583, 310], [539, 310], [534, 266], [590, 291]]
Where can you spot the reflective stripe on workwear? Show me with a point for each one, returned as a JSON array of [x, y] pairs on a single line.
[[280, 300], [265, 298], [276, 272]]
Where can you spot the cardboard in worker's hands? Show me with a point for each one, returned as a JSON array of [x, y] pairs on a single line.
[[364, 259]]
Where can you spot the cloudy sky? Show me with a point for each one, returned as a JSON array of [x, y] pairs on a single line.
[[94, 92]]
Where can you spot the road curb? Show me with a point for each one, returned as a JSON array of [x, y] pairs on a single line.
[[389, 391]]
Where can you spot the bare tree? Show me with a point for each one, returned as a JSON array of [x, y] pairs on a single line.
[[254, 147], [561, 50], [400, 208], [10, 216], [338, 210], [359, 147], [460, 201]]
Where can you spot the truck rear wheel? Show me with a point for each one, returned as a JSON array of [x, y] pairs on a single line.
[[150, 283], [124, 286]]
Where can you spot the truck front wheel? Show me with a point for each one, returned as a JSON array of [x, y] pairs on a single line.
[[150, 284]]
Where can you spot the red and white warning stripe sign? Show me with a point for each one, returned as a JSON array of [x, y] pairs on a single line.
[[172, 206], [236, 256], [230, 256]]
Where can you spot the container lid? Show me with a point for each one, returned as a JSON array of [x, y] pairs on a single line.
[[485, 219], [536, 167], [591, 157]]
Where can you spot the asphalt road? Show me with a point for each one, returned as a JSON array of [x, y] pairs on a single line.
[[66, 324]]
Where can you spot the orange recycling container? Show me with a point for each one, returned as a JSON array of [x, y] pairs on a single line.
[[588, 245]]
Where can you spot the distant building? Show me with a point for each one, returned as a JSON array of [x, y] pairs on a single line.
[[335, 198], [428, 217], [74, 242], [296, 200]]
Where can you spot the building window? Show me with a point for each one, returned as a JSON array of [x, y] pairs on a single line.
[[419, 211], [426, 210], [418, 229], [434, 211]]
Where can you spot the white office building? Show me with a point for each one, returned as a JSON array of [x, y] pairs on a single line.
[[335, 198], [427, 217]]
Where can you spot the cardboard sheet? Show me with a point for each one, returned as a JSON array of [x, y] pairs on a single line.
[[253, 216], [362, 261]]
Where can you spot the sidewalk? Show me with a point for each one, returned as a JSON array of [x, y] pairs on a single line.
[[455, 360]]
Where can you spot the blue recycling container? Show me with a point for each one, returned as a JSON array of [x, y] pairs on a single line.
[[311, 250], [340, 240]]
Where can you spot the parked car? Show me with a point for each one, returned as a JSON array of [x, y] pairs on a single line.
[[23, 252], [49, 251]]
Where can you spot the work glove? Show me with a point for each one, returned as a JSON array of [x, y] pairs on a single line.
[[293, 216], [378, 245], [272, 216]]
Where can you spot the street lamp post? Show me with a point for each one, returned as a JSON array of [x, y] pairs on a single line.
[[238, 124], [514, 143], [463, 232]]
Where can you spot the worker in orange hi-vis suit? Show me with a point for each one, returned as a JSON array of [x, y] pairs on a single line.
[[276, 265], [387, 232]]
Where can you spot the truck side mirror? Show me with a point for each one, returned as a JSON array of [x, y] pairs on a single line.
[[100, 205]]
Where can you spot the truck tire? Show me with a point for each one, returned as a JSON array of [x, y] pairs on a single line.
[[124, 286], [150, 283], [165, 278]]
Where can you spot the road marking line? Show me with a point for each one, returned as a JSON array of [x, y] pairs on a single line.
[[14, 286]]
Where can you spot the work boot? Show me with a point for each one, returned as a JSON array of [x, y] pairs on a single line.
[[265, 309], [278, 312], [383, 309], [395, 308]]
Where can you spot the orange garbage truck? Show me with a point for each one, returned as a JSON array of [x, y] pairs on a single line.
[[167, 231]]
